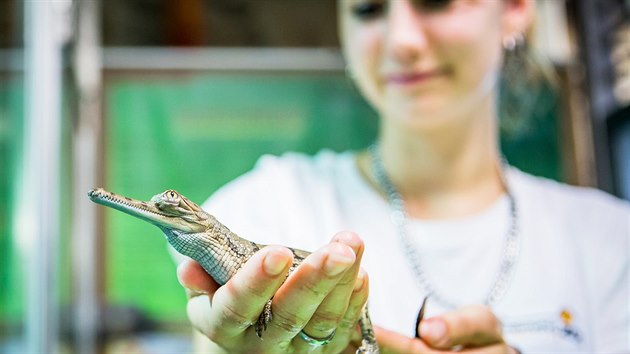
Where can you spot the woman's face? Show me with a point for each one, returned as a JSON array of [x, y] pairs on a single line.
[[426, 60]]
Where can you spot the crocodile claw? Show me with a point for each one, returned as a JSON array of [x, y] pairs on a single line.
[[264, 319], [367, 348]]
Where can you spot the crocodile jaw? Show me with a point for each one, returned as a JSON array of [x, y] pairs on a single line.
[[146, 211]]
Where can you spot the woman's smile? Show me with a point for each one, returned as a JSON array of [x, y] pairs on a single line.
[[413, 78]]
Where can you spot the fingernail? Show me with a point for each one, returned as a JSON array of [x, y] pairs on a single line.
[[358, 284], [339, 259], [433, 329], [197, 291], [349, 239], [275, 263]]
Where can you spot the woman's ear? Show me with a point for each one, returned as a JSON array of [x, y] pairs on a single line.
[[518, 16]]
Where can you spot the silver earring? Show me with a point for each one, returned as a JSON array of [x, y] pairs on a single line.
[[510, 43]]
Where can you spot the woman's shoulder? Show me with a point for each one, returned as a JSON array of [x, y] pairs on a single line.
[[583, 210], [569, 197], [323, 163], [294, 169], [294, 183], [287, 170]]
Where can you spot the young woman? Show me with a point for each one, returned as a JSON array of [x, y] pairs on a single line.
[[507, 259]]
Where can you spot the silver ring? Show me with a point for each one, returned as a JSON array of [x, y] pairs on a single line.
[[317, 342]]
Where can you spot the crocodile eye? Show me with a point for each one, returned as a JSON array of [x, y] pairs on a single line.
[[172, 194]]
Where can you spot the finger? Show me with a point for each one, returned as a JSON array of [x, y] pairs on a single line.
[[237, 304], [324, 321], [194, 279], [347, 326], [298, 298], [391, 342], [470, 326], [500, 348], [347, 329]]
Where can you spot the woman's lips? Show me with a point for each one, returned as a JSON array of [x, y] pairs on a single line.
[[405, 79]]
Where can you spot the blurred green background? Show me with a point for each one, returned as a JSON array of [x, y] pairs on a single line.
[[11, 109], [196, 134]]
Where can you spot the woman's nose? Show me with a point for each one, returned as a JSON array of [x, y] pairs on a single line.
[[406, 38]]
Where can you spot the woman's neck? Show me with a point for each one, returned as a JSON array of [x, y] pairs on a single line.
[[447, 171]]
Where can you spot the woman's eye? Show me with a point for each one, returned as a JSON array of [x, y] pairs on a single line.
[[368, 10]]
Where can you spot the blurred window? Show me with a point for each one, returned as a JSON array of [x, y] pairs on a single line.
[[220, 23], [10, 24]]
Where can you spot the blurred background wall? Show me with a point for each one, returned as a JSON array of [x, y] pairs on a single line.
[[143, 95]]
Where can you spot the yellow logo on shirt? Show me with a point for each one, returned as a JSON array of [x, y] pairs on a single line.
[[566, 317]]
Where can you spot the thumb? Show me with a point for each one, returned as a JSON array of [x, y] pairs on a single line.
[[471, 326], [194, 278], [391, 342]]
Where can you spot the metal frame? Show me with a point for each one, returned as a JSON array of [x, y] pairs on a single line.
[[223, 59], [595, 21], [37, 199], [87, 231], [202, 59]]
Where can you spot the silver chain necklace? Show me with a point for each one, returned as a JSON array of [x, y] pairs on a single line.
[[399, 219]]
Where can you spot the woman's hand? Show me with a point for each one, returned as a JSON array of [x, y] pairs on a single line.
[[472, 329], [325, 293]]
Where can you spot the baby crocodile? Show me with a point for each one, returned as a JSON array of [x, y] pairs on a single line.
[[200, 236]]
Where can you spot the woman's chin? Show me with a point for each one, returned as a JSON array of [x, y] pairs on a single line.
[[420, 116]]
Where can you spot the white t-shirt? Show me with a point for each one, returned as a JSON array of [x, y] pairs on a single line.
[[569, 288]]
